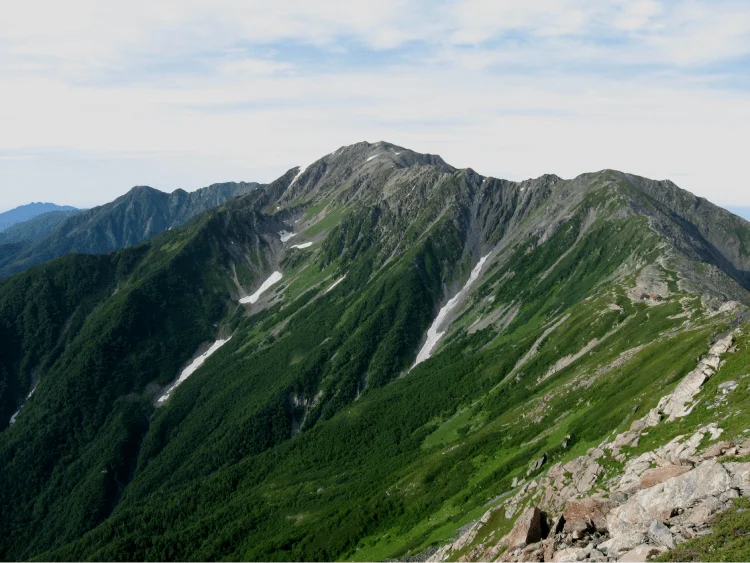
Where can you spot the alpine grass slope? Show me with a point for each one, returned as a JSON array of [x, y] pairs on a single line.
[[568, 309]]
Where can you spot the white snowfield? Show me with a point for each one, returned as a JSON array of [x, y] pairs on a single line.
[[190, 370], [15, 415], [303, 245], [285, 236], [272, 279], [433, 334], [373, 156], [334, 284], [301, 171]]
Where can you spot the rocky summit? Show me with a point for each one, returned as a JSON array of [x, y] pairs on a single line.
[[381, 357]]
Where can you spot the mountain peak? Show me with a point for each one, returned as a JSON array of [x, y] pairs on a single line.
[[396, 346]]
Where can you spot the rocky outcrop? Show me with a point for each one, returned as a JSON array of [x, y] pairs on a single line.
[[660, 474], [641, 553], [536, 465], [698, 490], [529, 529], [679, 403], [586, 515], [660, 499]]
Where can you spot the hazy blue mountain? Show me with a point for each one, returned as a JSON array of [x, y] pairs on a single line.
[[26, 212], [37, 227]]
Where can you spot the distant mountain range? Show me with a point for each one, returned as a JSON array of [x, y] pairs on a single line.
[[25, 212], [36, 228], [128, 220]]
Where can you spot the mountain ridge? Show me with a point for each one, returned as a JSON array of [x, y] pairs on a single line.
[[311, 434], [128, 220]]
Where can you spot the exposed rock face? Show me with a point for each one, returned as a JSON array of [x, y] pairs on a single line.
[[567, 554], [536, 464], [672, 504], [528, 529], [679, 403], [719, 449], [662, 501], [660, 474], [586, 515], [660, 534], [641, 553]]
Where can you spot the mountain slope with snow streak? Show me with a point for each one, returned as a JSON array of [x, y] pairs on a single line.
[[444, 340]]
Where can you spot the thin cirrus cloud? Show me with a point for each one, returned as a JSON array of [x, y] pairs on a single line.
[[98, 97]]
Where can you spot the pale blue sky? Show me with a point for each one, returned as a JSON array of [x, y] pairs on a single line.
[[99, 97]]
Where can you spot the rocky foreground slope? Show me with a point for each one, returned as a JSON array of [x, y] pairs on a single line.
[[613, 504], [380, 356]]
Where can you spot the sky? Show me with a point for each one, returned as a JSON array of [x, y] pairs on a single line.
[[97, 97]]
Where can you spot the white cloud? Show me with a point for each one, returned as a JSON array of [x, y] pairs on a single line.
[[190, 92], [637, 15]]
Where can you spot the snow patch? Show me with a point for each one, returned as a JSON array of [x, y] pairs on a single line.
[[398, 153], [303, 245], [433, 333], [373, 156], [301, 171], [285, 236], [15, 415], [272, 279], [334, 284], [190, 370]]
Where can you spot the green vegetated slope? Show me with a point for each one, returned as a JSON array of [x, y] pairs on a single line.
[[310, 435], [138, 215]]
